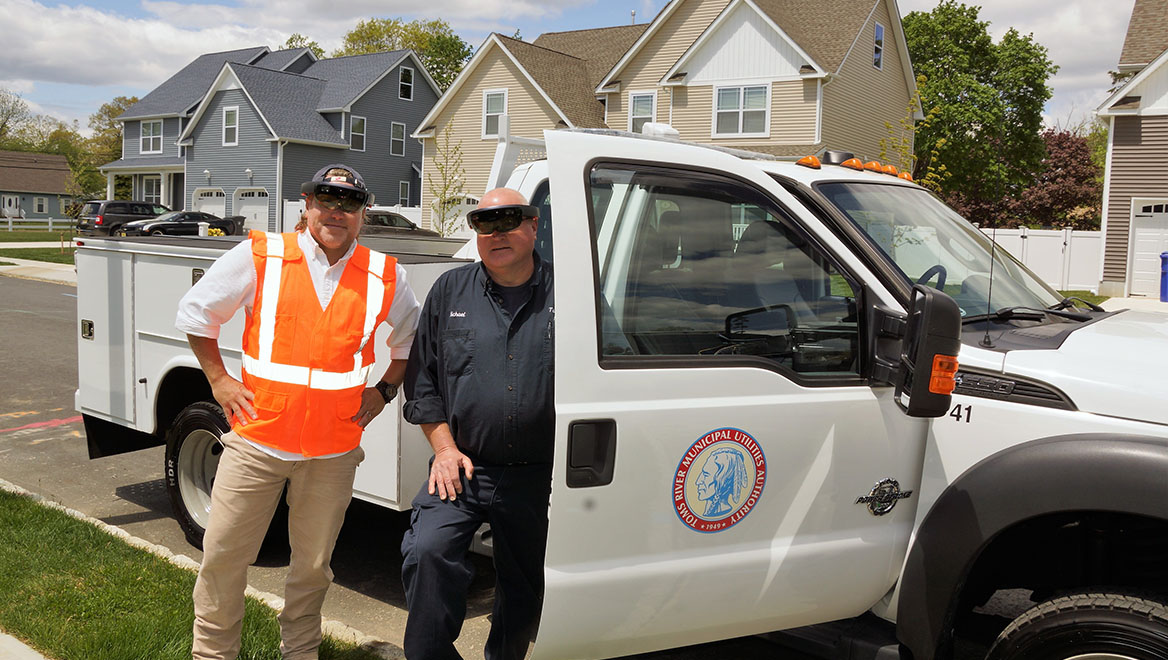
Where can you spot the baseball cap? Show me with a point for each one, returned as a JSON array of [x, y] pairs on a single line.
[[337, 176]]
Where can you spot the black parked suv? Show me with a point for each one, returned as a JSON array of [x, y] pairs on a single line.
[[104, 216]]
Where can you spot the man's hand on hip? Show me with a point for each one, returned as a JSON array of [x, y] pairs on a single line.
[[234, 398], [372, 403]]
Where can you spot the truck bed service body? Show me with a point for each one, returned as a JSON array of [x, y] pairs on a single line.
[[754, 427]]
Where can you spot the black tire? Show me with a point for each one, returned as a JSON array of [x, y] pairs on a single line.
[[192, 457], [1096, 626]]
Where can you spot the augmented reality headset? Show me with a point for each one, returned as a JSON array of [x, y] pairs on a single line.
[[500, 218], [333, 197]]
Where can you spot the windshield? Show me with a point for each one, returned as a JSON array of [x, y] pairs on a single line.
[[171, 215], [931, 244]]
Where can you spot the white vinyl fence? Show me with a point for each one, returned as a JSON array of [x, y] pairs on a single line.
[[1064, 258], [51, 224]]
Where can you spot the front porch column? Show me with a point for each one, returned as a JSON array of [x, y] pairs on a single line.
[[109, 185], [164, 181]]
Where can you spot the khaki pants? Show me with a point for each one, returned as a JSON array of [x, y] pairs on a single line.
[[247, 489]]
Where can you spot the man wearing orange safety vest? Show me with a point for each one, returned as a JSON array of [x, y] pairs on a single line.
[[314, 299]]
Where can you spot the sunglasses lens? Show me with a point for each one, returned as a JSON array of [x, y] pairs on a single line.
[[495, 220], [334, 198]]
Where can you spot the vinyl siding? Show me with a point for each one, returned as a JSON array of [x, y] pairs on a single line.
[[792, 119], [54, 206], [657, 56], [227, 164], [1137, 157], [862, 98], [529, 115], [131, 136]]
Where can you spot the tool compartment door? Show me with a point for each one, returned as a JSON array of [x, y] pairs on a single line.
[[713, 429]]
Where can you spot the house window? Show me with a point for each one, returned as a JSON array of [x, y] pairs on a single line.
[[642, 108], [405, 83], [152, 189], [397, 139], [878, 51], [231, 126], [494, 105], [40, 204], [742, 111], [152, 137], [403, 193], [357, 134]]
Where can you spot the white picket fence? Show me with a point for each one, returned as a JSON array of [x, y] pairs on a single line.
[[1064, 258]]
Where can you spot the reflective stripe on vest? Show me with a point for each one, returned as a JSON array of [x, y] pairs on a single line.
[[307, 365]]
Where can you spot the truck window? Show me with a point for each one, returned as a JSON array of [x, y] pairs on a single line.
[[697, 265]]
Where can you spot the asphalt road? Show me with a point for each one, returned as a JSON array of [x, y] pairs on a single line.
[[43, 449]]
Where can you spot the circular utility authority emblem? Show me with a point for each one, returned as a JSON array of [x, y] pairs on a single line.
[[719, 480]]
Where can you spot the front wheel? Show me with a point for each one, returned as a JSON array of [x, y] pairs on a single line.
[[192, 457], [1087, 626]]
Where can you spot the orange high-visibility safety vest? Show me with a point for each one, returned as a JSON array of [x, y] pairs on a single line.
[[308, 366]]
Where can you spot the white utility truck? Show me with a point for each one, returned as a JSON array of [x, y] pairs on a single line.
[[754, 431]]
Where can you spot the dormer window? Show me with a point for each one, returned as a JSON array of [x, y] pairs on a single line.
[[405, 83], [878, 51], [152, 137]]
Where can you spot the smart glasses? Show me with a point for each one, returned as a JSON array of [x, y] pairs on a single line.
[[500, 218], [333, 198]]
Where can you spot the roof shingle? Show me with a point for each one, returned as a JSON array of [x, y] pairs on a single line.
[[184, 89], [347, 77], [30, 172], [289, 102], [1147, 34]]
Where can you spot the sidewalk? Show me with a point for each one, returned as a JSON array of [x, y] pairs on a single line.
[[36, 270], [14, 649]]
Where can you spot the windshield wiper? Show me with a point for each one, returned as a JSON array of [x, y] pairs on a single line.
[[1027, 314], [1070, 302]]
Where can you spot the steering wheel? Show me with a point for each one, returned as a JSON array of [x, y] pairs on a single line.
[[939, 271]]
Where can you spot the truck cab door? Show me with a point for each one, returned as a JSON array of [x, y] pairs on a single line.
[[717, 450]]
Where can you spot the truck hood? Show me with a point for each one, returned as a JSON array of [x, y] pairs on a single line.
[[1117, 366]]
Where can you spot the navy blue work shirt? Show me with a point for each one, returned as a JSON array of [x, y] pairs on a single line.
[[486, 373]]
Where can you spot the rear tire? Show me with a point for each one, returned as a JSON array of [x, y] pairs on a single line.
[[193, 449], [1087, 626]]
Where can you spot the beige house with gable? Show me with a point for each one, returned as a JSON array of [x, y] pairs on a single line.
[[784, 77], [1135, 188]]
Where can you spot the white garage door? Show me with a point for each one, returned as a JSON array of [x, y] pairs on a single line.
[[253, 206], [1149, 239], [211, 201]]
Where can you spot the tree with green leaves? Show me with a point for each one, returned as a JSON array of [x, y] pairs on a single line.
[[986, 102], [14, 113], [445, 180], [442, 52], [105, 144], [298, 40]]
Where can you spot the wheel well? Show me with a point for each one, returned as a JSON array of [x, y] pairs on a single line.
[[180, 388], [1065, 552]]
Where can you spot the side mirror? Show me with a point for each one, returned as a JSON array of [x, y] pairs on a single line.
[[928, 356]]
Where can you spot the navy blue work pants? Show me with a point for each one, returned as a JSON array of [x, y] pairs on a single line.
[[436, 572]]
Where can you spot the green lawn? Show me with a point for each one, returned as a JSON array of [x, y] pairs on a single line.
[[54, 255], [77, 593], [31, 236], [1085, 295]]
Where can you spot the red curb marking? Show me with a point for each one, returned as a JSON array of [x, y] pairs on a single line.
[[52, 422]]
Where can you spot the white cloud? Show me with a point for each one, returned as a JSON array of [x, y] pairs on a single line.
[[1082, 37]]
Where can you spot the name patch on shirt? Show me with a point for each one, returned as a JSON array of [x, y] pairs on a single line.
[[457, 315]]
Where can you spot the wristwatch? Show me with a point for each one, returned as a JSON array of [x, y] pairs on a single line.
[[388, 390]]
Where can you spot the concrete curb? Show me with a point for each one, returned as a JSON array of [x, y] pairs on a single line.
[[334, 629]]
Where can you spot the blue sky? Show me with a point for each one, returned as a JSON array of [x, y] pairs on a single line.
[[67, 58]]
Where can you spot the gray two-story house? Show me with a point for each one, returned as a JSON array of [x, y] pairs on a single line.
[[265, 121]]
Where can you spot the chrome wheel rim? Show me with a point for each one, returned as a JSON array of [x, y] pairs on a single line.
[[198, 459]]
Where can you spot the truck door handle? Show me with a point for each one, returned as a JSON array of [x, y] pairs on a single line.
[[591, 453]]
